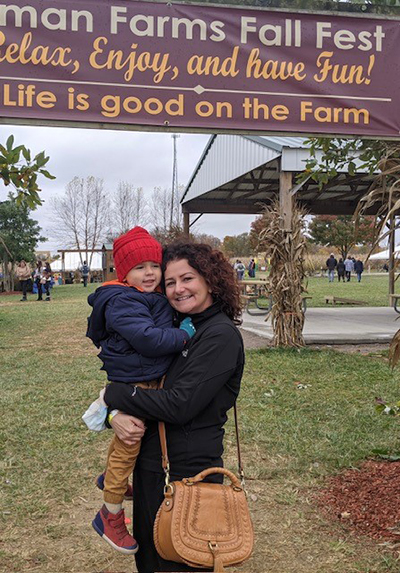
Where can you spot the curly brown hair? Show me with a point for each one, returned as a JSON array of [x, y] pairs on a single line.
[[212, 265]]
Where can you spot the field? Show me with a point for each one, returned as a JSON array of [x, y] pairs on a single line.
[[373, 289], [292, 440]]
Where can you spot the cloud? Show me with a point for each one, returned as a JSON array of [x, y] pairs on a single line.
[[143, 158]]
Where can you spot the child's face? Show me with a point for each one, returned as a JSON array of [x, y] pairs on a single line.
[[146, 276]]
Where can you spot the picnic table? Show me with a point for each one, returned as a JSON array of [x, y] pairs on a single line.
[[330, 299], [254, 290], [251, 292]]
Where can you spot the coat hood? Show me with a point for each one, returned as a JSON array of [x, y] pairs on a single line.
[[96, 330]]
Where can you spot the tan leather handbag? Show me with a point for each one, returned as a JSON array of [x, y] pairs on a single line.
[[205, 525]]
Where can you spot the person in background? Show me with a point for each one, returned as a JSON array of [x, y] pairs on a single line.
[[252, 269], [46, 280], [132, 324], [37, 278], [340, 270], [239, 268], [85, 273], [331, 264], [349, 268], [24, 273], [359, 268]]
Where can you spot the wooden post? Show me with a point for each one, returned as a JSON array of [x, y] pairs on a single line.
[[186, 222], [286, 199]]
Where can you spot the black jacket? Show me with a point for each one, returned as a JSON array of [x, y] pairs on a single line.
[[358, 266], [331, 263], [201, 385]]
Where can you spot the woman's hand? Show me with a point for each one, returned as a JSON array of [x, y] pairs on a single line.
[[128, 428]]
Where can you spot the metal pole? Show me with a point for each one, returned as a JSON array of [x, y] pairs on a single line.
[[174, 180], [391, 257]]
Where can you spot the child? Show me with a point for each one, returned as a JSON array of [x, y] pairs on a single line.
[[131, 322]]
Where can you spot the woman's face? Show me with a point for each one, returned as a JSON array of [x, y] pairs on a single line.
[[187, 290]]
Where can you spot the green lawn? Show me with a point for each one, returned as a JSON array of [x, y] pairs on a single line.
[[292, 439], [373, 289]]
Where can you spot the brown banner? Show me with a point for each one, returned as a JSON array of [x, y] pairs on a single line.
[[152, 65]]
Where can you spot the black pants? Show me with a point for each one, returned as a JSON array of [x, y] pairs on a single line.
[[24, 285], [147, 497], [85, 278], [47, 288], [348, 276], [39, 289], [340, 276]]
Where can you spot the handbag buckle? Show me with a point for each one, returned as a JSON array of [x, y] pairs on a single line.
[[212, 546], [169, 489]]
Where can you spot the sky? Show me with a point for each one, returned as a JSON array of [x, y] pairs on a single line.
[[142, 158]]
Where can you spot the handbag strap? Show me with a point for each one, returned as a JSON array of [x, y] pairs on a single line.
[[164, 449]]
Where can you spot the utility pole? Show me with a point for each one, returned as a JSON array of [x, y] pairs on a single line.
[[174, 190]]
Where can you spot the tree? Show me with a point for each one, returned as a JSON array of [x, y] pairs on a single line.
[[341, 232], [23, 176], [237, 245], [214, 242], [129, 208], [82, 214], [19, 235], [161, 204]]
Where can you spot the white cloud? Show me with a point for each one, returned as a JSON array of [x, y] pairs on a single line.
[[145, 159]]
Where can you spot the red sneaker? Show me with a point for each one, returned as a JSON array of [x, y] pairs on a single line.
[[111, 527], [100, 484]]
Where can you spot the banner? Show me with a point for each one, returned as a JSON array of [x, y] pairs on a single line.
[[151, 65]]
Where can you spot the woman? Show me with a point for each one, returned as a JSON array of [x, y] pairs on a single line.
[[46, 280], [201, 385], [23, 272], [37, 277]]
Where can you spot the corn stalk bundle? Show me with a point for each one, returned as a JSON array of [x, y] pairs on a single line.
[[383, 196], [287, 252]]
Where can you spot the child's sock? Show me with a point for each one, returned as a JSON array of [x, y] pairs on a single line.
[[113, 507]]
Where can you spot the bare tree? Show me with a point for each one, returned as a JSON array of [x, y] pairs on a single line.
[[130, 208], [163, 204], [82, 214]]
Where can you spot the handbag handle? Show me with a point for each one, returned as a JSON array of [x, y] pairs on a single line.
[[164, 449], [209, 471]]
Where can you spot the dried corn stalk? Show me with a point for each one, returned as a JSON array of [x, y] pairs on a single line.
[[287, 252], [394, 350]]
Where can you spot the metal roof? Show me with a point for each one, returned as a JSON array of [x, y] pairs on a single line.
[[240, 174]]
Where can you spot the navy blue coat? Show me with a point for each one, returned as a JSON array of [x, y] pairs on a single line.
[[134, 331]]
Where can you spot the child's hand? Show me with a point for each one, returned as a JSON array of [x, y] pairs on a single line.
[[187, 326]]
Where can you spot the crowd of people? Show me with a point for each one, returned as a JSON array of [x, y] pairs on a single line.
[[240, 269], [344, 268], [39, 278]]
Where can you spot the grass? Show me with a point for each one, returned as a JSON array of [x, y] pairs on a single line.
[[373, 290], [291, 438]]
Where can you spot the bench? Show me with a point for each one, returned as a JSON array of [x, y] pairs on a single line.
[[395, 298], [248, 299], [330, 299]]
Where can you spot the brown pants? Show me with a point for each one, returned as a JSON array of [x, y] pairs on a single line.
[[121, 460]]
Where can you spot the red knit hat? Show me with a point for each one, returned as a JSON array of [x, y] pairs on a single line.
[[133, 248]]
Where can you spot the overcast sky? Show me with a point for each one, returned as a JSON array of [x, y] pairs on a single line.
[[145, 159]]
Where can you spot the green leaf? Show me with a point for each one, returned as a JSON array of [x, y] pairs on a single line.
[[10, 143], [26, 153], [46, 174]]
